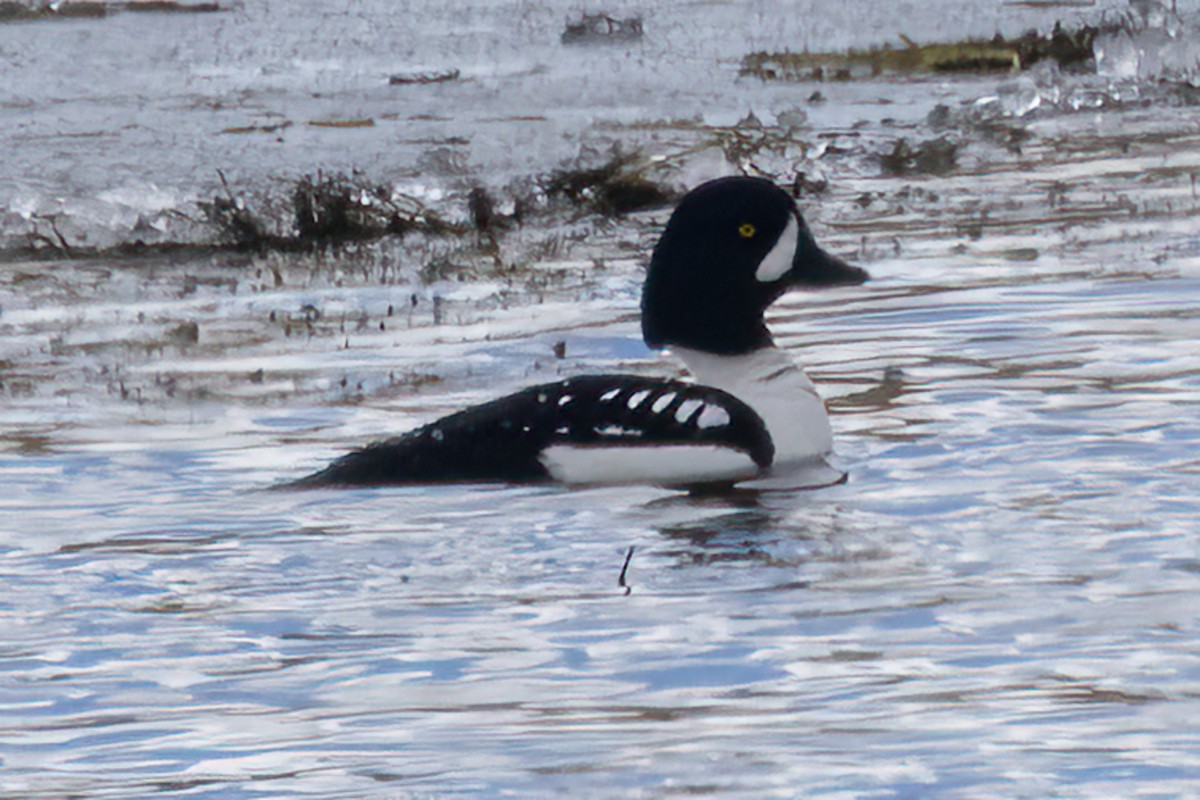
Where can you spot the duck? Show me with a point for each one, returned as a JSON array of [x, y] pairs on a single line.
[[748, 413]]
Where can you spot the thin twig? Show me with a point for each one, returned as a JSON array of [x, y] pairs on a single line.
[[228, 191], [624, 568], [61, 245], [53, 219]]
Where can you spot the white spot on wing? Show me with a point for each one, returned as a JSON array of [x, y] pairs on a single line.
[[663, 465], [611, 394], [562, 401], [619, 430], [637, 398], [663, 402], [686, 409], [713, 417], [779, 260]]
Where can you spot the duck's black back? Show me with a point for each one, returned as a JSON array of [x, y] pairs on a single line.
[[502, 440]]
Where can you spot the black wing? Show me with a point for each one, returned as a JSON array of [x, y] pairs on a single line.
[[502, 440]]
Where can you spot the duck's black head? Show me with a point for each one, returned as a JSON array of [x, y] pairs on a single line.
[[732, 247]]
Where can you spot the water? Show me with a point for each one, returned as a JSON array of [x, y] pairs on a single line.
[[1000, 602]]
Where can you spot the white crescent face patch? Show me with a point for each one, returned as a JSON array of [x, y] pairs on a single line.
[[779, 260]]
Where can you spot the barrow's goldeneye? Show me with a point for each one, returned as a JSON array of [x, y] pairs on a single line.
[[730, 249]]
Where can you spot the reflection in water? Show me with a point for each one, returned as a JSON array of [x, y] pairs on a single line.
[[741, 535], [880, 397]]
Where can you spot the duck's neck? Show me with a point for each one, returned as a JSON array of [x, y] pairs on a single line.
[[768, 381]]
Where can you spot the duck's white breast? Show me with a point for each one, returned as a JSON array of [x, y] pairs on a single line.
[[773, 385]]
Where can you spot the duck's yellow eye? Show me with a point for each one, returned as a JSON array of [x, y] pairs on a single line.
[[747, 231]]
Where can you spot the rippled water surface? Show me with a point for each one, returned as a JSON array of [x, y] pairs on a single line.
[[1001, 602]]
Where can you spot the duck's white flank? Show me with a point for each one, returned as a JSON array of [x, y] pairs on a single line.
[[773, 385], [662, 465]]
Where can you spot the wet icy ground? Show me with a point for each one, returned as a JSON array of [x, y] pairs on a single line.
[[1000, 603]]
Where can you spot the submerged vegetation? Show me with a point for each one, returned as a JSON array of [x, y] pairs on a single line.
[[328, 210], [602, 29], [423, 78], [11, 11], [1070, 49], [934, 157], [618, 185], [314, 211]]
